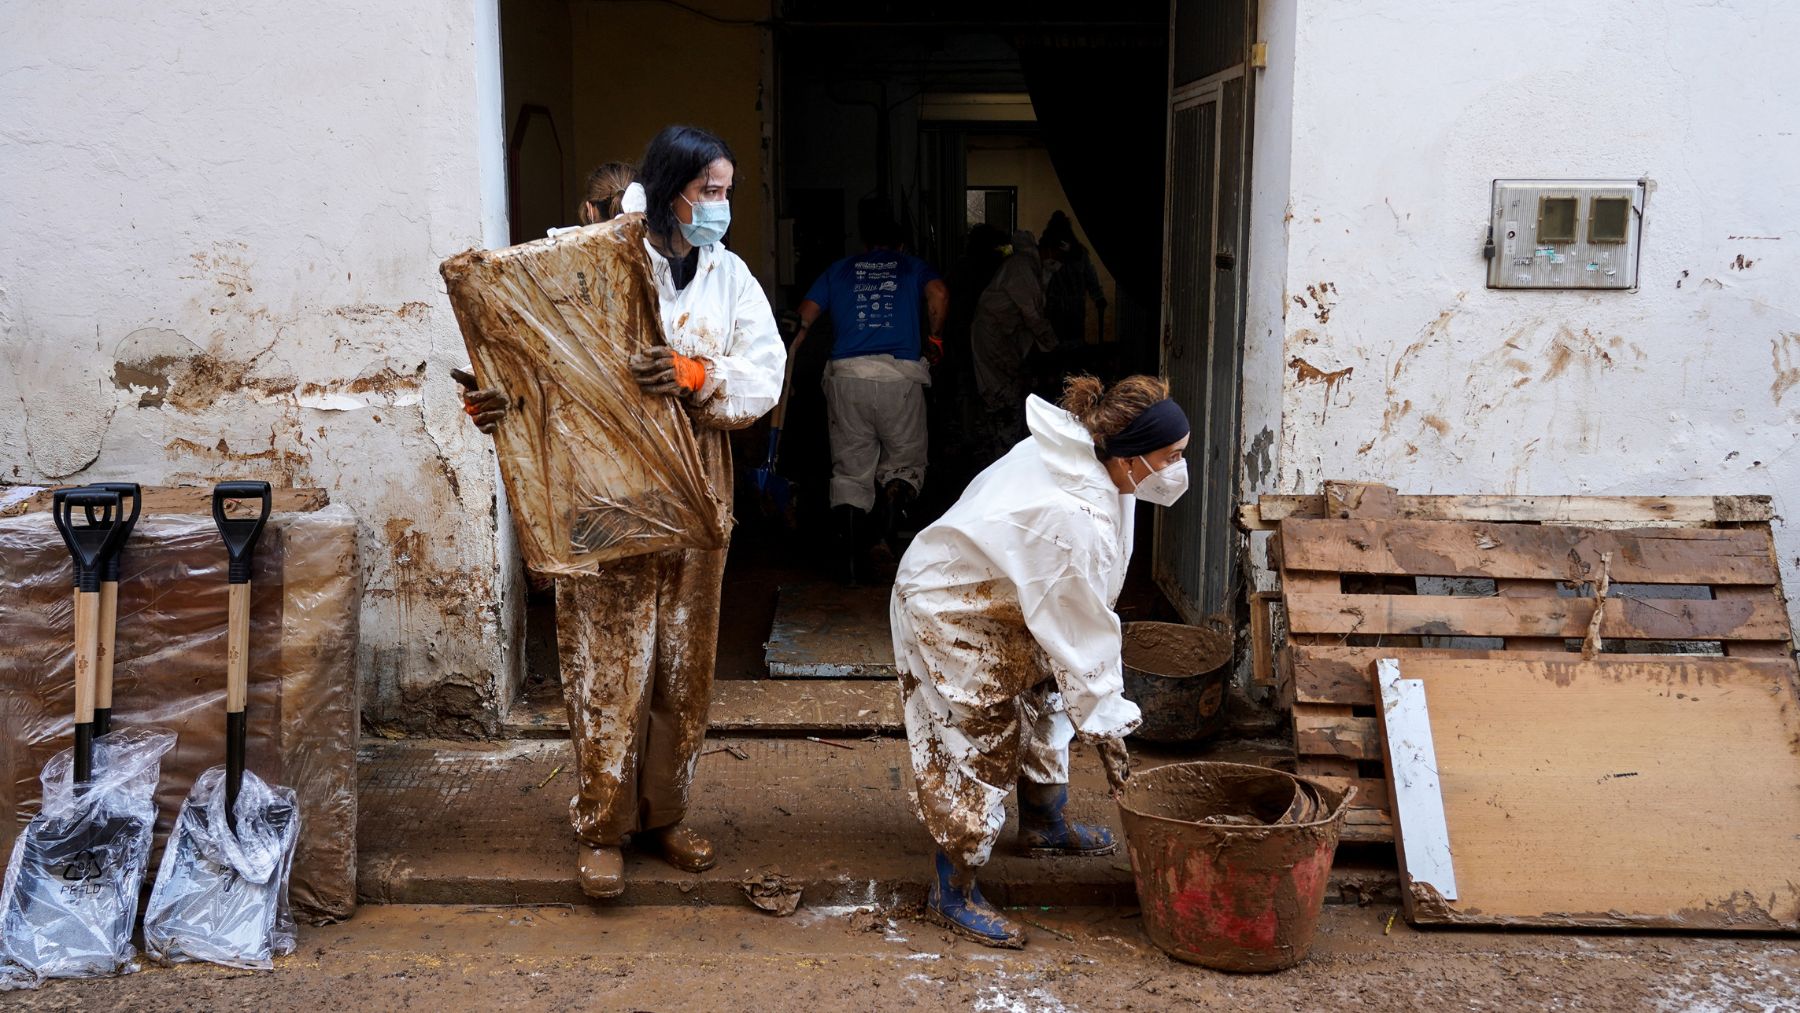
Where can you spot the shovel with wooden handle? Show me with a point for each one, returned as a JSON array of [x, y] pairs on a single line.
[[240, 535], [71, 888], [221, 893], [109, 601]]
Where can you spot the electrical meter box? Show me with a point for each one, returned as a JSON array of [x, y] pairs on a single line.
[[1551, 233]]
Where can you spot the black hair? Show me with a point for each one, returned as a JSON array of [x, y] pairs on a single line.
[[675, 158], [883, 232]]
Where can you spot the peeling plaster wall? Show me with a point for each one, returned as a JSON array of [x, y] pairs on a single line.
[[1400, 366], [219, 236]]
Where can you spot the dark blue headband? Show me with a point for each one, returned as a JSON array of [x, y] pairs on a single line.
[[1156, 427]]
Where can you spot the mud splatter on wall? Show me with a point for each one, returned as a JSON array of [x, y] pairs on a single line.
[[202, 291], [1690, 385]]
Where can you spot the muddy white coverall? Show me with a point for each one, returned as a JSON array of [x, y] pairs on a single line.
[[1004, 631], [637, 641]]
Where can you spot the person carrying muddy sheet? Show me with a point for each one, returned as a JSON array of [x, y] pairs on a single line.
[[637, 640], [1006, 640]]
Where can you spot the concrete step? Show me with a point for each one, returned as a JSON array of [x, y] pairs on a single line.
[[754, 707], [462, 823]]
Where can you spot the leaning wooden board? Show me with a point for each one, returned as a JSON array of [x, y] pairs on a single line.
[[1352, 559], [1657, 793]]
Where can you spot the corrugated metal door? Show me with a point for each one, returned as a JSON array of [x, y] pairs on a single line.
[[1181, 561]]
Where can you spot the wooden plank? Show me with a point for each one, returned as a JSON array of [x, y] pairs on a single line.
[[1530, 589], [165, 499], [1339, 675], [1347, 737], [1718, 556], [1371, 792], [1412, 778], [1369, 500], [1654, 794], [1623, 618], [1272, 510], [1262, 648]]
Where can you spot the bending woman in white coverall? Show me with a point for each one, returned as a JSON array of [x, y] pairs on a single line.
[[637, 640], [1006, 639]]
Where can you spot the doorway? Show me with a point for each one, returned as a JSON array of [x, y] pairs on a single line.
[[948, 116]]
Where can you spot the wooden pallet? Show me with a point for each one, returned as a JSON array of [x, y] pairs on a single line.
[[1689, 575]]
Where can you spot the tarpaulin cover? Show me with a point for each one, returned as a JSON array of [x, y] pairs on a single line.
[[222, 896], [71, 892], [595, 470], [170, 671]]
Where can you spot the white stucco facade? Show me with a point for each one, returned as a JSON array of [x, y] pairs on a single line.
[[219, 236], [1373, 348]]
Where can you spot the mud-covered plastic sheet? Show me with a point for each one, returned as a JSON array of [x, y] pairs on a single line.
[[594, 469], [170, 671], [71, 893], [221, 896]]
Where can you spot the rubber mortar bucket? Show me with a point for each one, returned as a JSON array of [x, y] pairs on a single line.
[[1176, 675], [1231, 860]]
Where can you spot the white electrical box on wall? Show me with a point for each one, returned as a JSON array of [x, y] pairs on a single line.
[[1565, 233]]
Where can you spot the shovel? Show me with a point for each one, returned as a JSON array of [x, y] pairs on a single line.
[[109, 601], [777, 494], [72, 885], [221, 892]]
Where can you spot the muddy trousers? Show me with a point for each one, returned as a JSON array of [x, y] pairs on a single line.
[[878, 434], [966, 762], [636, 644]]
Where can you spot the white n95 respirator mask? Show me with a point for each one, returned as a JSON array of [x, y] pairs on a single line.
[[1163, 487]]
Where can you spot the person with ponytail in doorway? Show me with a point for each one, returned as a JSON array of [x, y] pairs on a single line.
[[604, 195], [1006, 640], [637, 640]]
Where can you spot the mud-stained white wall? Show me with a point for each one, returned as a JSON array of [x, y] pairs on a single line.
[[220, 227], [1397, 363]]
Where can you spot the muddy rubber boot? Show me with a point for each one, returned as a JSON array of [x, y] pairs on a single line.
[[600, 871], [681, 847], [969, 914], [1043, 833], [847, 524]]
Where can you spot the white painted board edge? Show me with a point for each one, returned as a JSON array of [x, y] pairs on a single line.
[[1418, 798]]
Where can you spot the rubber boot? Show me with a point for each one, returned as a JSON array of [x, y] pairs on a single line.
[[1043, 833], [968, 913], [847, 522], [600, 871], [900, 497], [681, 847]]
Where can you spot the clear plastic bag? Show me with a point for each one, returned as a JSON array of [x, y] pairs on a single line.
[[223, 897], [595, 469], [71, 892]]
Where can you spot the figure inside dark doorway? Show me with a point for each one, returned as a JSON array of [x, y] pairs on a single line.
[[875, 392]]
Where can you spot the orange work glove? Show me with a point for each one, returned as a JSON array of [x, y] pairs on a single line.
[[934, 349], [690, 373]]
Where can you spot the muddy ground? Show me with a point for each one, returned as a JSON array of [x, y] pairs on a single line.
[[700, 958]]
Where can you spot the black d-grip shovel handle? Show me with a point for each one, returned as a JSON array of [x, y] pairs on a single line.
[[90, 545], [127, 521], [240, 535], [93, 544]]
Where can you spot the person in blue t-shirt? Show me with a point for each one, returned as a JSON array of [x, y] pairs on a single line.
[[875, 384]]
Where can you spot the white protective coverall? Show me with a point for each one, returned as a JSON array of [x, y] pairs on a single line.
[[1004, 631], [637, 640]]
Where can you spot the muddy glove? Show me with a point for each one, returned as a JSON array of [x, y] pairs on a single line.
[[662, 370], [486, 407], [1117, 762]]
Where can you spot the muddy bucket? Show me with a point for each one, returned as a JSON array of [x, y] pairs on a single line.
[[1176, 675], [1231, 861]]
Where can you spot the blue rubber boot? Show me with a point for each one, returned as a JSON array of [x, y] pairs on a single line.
[[968, 913], [1043, 833]]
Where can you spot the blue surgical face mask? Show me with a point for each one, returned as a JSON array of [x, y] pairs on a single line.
[[711, 220]]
